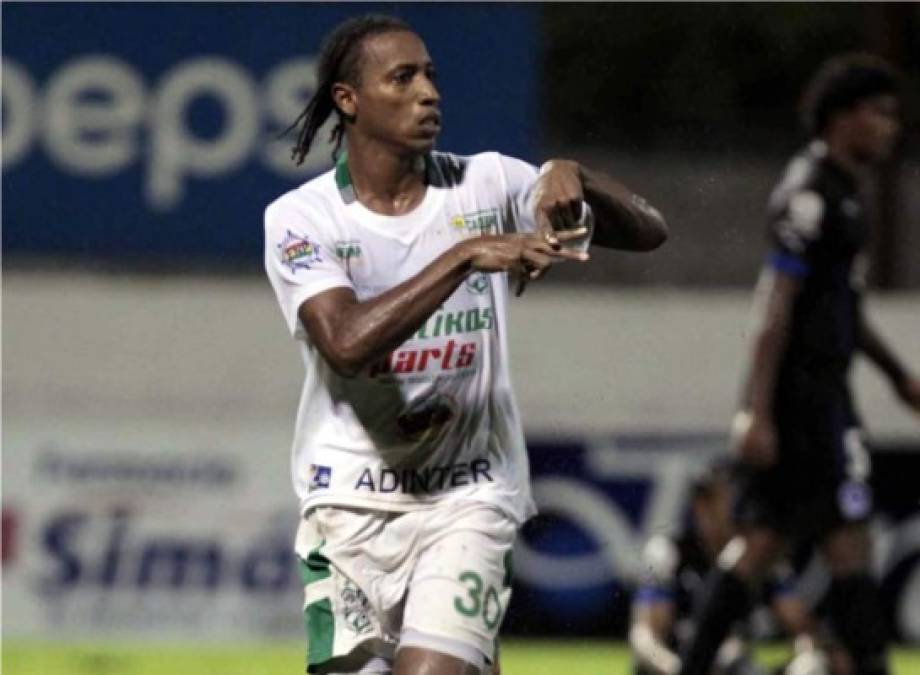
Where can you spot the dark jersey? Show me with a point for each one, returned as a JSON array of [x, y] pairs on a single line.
[[818, 232]]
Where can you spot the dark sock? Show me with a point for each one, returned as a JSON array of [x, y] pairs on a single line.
[[855, 612], [724, 600]]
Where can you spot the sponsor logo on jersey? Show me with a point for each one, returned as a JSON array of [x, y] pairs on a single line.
[[425, 481], [455, 323], [298, 252], [320, 476], [477, 283], [348, 249], [477, 222], [453, 356]]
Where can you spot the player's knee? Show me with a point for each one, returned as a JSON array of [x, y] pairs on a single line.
[[420, 661]]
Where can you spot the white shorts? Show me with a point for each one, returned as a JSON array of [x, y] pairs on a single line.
[[438, 578]]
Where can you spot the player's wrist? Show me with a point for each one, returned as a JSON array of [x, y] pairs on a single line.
[[462, 256], [563, 165]]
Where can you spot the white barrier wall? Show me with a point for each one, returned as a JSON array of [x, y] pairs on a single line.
[[215, 351], [147, 424]]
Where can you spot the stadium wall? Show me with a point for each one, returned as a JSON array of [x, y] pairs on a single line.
[[147, 425]]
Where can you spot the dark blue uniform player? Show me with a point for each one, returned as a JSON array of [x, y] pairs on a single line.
[[797, 432], [674, 572]]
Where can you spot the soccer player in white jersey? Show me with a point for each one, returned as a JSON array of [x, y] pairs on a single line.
[[391, 272]]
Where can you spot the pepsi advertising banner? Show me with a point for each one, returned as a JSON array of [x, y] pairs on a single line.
[[151, 131]]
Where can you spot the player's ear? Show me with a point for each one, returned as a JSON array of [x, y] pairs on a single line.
[[345, 99]]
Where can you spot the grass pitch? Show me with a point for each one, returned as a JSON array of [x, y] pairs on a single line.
[[519, 657]]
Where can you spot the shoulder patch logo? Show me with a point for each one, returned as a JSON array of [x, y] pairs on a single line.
[[801, 224], [298, 252], [806, 209]]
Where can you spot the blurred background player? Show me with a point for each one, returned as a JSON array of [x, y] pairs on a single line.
[[807, 469], [675, 569], [409, 457]]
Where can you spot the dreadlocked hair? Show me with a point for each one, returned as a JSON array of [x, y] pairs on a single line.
[[339, 61]]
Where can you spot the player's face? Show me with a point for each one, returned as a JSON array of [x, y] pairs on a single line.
[[874, 126], [396, 100]]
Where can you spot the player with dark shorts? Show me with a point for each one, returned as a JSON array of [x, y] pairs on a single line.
[[674, 569], [807, 468]]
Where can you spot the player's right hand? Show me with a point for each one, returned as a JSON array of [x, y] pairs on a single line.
[[753, 438], [527, 255]]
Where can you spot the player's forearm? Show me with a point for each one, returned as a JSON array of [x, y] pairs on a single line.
[[366, 331], [623, 219], [768, 348], [770, 343], [876, 350]]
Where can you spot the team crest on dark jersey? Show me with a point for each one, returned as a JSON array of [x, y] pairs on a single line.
[[854, 499], [298, 252]]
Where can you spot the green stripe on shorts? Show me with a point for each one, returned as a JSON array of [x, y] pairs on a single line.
[[509, 569], [319, 621], [315, 567], [320, 625]]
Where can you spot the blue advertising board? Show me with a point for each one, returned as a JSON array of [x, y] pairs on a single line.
[[601, 499], [150, 131], [97, 540]]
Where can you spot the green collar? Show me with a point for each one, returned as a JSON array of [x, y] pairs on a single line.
[[347, 189]]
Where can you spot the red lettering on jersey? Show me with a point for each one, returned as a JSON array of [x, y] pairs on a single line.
[[405, 361], [467, 353], [423, 358], [445, 362]]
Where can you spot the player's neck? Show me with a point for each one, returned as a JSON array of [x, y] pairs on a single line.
[[384, 181]]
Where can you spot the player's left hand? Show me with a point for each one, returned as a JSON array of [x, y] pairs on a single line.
[[558, 196], [908, 391]]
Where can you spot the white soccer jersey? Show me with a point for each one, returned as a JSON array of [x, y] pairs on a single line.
[[435, 419]]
